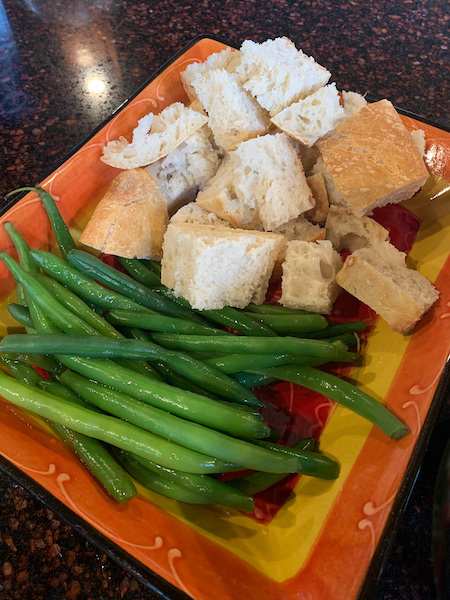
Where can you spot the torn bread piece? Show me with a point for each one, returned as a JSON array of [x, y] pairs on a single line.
[[310, 119], [195, 214], [309, 276], [379, 277], [213, 267], [319, 213], [186, 169], [371, 160], [297, 229], [261, 185], [346, 231], [353, 103], [227, 59], [154, 137], [418, 136], [234, 115], [131, 218], [277, 74]]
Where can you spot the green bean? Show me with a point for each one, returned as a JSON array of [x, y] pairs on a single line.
[[193, 407], [350, 339], [158, 484], [338, 330], [23, 252], [311, 463], [62, 317], [119, 282], [230, 317], [275, 309], [139, 366], [21, 371], [154, 265], [108, 429], [256, 482], [95, 456], [21, 314], [100, 347], [292, 324], [227, 316], [132, 318], [82, 285], [166, 372], [190, 435], [63, 237], [73, 303], [217, 492], [102, 465], [248, 345], [42, 361], [344, 393], [251, 380], [140, 272], [57, 389], [22, 247], [233, 363]]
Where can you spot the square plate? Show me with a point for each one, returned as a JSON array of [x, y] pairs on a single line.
[[313, 539]]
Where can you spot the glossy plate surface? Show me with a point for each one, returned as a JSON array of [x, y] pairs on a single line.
[[308, 538]]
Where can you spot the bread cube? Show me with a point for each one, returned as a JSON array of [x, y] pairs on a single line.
[[379, 277], [371, 160], [346, 231], [193, 213], [277, 74], [216, 267], [154, 137], [261, 185], [227, 59], [309, 276], [310, 119], [131, 218], [234, 115], [186, 169]]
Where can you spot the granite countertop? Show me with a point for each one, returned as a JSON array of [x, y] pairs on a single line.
[[49, 54]]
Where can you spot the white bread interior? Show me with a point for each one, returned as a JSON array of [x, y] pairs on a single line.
[[379, 277], [261, 185], [213, 267], [277, 74], [346, 231], [319, 213], [309, 276], [297, 229], [310, 119], [154, 137], [370, 160], [234, 115], [131, 218], [418, 136], [227, 59], [353, 103], [195, 214], [186, 169]]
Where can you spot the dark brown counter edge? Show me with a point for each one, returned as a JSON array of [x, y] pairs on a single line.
[[134, 566]]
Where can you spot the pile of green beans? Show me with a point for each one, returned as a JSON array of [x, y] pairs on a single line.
[[144, 385]]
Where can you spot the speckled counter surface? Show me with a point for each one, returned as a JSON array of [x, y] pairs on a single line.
[[51, 52]]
